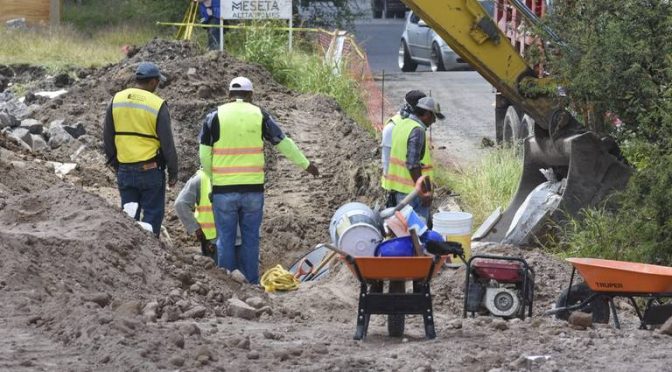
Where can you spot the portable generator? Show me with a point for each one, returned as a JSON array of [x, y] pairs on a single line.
[[498, 285]]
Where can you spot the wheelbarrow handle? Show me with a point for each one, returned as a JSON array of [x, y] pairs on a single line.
[[339, 251]]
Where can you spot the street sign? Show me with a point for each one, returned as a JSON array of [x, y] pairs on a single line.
[[256, 9]]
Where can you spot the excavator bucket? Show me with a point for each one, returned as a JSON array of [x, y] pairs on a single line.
[[565, 167], [584, 170]]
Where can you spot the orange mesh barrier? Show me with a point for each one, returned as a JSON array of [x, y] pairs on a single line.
[[356, 64]]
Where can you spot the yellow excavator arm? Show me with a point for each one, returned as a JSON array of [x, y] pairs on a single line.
[[585, 168]]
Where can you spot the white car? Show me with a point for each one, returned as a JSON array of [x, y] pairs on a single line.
[[420, 45]]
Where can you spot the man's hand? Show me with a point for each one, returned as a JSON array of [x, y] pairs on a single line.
[[312, 169], [426, 199], [200, 236], [172, 181]]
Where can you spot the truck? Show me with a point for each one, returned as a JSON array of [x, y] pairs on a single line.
[[512, 124], [579, 167]]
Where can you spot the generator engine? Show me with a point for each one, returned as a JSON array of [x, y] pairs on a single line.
[[499, 285]]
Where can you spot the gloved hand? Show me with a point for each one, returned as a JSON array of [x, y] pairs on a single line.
[[312, 169], [210, 249], [200, 236]]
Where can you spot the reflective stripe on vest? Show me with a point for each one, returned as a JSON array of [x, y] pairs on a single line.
[[383, 180], [398, 176], [238, 155], [135, 113], [203, 212]]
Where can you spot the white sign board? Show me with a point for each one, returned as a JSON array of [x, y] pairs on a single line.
[[256, 9]]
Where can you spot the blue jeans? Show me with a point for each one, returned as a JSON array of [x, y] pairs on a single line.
[[213, 34], [416, 204], [148, 189], [246, 209]]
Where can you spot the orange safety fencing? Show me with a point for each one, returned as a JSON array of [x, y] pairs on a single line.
[[354, 62]]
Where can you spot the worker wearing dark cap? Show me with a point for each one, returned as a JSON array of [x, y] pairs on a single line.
[[410, 155], [139, 145], [232, 155], [410, 100]]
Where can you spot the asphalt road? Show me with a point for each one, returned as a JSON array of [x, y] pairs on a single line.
[[465, 97]]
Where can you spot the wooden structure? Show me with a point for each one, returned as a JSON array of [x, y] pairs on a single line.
[[34, 11]]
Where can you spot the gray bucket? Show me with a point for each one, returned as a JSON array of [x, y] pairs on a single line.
[[354, 228]]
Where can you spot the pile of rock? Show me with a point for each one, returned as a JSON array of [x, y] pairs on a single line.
[[16, 121]]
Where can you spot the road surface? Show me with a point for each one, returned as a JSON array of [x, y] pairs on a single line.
[[465, 97]]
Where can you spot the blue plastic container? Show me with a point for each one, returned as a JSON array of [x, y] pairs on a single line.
[[397, 247], [431, 235]]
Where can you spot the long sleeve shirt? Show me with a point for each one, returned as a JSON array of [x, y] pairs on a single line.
[[416, 145], [163, 130], [270, 132], [186, 204]]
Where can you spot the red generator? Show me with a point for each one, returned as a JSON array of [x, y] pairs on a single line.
[[498, 285]]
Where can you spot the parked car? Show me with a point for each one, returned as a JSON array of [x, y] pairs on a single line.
[[420, 45], [390, 8]]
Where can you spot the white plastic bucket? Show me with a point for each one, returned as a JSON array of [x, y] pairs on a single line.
[[354, 228], [455, 227]]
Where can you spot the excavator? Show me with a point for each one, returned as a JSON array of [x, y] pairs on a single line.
[[581, 168]]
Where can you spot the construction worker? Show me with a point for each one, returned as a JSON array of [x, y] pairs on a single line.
[[209, 13], [138, 142], [232, 155], [194, 209], [410, 155], [410, 100]]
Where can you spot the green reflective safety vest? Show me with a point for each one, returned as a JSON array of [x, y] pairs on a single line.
[[135, 112], [383, 180], [203, 212], [238, 155], [398, 176]]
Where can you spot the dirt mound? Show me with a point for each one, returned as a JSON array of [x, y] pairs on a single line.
[[298, 208]]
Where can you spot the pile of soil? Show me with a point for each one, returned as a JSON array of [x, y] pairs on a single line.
[[82, 286]]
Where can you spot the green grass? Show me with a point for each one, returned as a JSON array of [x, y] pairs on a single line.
[[302, 69], [63, 47], [486, 186]]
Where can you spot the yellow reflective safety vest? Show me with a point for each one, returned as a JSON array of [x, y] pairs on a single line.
[[383, 180], [398, 176], [203, 212], [135, 112], [238, 155]]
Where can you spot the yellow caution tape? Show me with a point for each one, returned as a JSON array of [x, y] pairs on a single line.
[[279, 279], [242, 27]]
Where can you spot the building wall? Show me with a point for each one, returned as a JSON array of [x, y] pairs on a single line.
[[34, 11]]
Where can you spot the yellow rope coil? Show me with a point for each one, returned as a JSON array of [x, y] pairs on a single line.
[[279, 279]]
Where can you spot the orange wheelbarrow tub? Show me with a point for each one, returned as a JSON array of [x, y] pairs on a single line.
[[620, 276], [369, 270], [607, 279], [396, 268]]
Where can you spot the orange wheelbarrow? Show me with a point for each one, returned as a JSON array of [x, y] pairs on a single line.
[[419, 269], [606, 279]]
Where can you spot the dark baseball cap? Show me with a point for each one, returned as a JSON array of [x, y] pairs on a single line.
[[413, 96], [148, 70]]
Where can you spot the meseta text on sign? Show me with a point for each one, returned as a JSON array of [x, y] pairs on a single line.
[[256, 9]]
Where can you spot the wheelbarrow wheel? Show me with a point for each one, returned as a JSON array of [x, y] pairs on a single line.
[[396, 322], [599, 307]]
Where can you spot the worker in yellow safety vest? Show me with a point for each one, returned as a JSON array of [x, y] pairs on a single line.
[[410, 100], [232, 155], [138, 142], [194, 209], [410, 155]]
